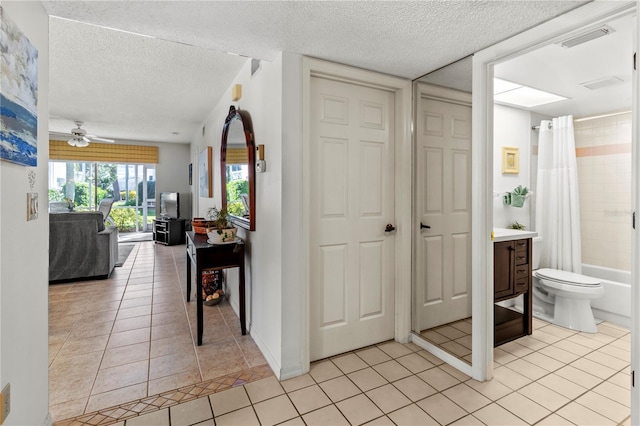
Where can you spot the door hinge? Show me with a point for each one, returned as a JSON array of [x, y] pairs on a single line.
[[633, 378], [635, 61], [633, 220]]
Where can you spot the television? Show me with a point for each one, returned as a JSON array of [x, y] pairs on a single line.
[[169, 205]]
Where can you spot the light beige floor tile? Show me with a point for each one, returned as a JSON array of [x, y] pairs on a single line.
[[263, 389], [581, 415], [495, 414], [324, 370], [415, 363], [188, 413], [349, 363], [438, 378], [523, 407], [430, 357], [581, 376], [373, 356], [531, 342], [559, 331], [466, 397], [70, 387], [154, 418], [168, 365], [491, 389], [298, 382], [545, 337], [367, 379], [558, 354], [392, 370], [175, 381], [449, 332], [510, 378], [388, 398], [394, 349], [562, 386], [339, 388], [309, 399], [327, 416], [412, 415], [229, 400], [131, 323], [454, 372], [358, 409], [515, 349], [381, 421], [83, 346], [125, 355], [607, 407], [116, 397], [129, 337], [544, 396], [243, 417], [503, 357], [456, 349], [275, 410], [121, 376], [583, 340], [527, 369], [572, 347], [442, 409], [297, 421], [435, 337], [554, 420], [543, 361], [607, 360], [69, 409], [469, 420], [414, 388], [621, 379]]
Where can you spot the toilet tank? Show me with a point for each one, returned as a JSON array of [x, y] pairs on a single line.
[[537, 251]]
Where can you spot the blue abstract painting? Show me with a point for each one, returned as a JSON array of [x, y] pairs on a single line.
[[18, 95]]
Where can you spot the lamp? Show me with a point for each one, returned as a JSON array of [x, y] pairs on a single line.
[[79, 141]]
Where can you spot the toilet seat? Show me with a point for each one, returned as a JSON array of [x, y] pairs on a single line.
[[566, 278]]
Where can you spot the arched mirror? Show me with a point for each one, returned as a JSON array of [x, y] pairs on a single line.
[[237, 166]]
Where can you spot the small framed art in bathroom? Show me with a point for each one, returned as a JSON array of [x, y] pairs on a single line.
[[510, 160]]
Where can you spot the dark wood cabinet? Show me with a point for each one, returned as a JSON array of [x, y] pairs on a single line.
[[512, 278], [168, 231]]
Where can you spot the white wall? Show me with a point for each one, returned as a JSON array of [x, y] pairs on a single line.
[[512, 128], [24, 248], [262, 98]]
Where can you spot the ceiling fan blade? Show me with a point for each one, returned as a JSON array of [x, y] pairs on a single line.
[[96, 138]]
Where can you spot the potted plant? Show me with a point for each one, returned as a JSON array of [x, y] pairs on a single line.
[[220, 230]]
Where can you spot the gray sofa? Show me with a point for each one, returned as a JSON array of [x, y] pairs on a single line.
[[80, 246]]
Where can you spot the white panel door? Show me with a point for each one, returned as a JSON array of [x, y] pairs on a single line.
[[352, 200], [443, 203]]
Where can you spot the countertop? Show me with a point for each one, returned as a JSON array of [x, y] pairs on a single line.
[[503, 234]]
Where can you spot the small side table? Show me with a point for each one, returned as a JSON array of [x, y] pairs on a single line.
[[210, 256]]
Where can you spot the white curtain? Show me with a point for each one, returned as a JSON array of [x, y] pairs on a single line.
[[557, 203]]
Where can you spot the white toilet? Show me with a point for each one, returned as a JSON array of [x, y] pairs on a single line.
[[563, 298]]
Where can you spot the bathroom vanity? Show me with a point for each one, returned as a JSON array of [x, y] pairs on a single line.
[[512, 251]]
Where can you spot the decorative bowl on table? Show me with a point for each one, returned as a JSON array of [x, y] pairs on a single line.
[[221, 236], [200, 225], [214, 299]]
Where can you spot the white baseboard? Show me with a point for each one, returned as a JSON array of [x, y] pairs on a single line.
[[275, 366]]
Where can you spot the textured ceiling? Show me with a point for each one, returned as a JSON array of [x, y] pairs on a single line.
[[127, 86]]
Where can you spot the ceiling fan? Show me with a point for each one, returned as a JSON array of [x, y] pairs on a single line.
[[80, 138]]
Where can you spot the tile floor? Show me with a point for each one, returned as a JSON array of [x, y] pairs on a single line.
[[129, 339], [454, 337], [554, 377]]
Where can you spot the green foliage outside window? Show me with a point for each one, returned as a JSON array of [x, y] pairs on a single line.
[[125, 219]]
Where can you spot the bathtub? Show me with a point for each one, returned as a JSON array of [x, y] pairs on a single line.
[[615, 305]]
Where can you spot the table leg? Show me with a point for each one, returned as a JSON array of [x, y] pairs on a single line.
[[243, 325], [188, 278], [199, 304]]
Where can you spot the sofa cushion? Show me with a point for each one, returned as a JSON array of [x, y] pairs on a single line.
[[75, 216]]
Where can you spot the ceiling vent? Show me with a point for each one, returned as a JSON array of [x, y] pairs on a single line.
[[602, 82], [588, 36]]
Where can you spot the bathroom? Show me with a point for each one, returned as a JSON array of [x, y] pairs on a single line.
[[598, 93]]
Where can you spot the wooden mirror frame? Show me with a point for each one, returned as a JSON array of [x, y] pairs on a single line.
[[245, 119]]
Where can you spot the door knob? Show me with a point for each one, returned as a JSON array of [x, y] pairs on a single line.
[[423, 226], [389, 228]]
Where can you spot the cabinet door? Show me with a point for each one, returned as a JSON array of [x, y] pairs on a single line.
[[503, 265]]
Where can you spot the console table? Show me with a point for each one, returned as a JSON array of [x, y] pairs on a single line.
[[210, 256]]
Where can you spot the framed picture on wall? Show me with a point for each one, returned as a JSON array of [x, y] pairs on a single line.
[[205, 173], [510, 160]]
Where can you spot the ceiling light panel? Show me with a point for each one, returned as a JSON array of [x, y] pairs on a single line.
[[501, 86], [527, 97], [588, 36], [602, 82]]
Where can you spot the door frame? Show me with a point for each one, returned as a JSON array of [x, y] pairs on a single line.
[[312, 67], [573, 22]]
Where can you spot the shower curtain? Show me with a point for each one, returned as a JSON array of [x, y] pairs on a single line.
[[557, 204]]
